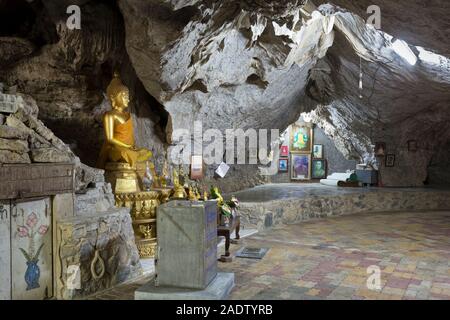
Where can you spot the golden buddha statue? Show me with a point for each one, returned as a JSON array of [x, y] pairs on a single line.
[[118, 125]]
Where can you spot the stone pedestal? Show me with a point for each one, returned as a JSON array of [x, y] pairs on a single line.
[[122, 176], [187, 244], [218, 289]]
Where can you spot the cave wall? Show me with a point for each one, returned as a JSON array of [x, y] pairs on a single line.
[[67, 71], [205, 63], [438, 169], [237, 64], [398, 102], [336, 162], [242, 64], [63, 73]]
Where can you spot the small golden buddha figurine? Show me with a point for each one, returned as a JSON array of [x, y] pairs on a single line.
[[147, 208], [118, 125], [191, 194], [146, 231], [164, 175], [197, 193], [178, 189]]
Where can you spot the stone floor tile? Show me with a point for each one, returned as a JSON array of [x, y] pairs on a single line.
[[328, 259]]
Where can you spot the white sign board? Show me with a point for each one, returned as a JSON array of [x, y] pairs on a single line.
[[222, 169]]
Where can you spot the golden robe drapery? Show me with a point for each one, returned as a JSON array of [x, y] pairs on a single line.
[[113, 153]]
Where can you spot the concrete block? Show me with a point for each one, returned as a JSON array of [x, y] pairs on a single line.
[[187, 244]]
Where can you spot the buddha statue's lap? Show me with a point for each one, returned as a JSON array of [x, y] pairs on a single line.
[[119, 155]]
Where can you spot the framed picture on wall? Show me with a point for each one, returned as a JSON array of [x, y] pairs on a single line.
[[300, 166], [301, 138], [390, 160], [318, 151], [284, 151], [283, 165], [319, 169]]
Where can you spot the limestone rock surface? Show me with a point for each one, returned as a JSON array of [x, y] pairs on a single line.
[[8, 132], [49, 155], [11, 157], [260, 64], [245, 64], [19, 146]]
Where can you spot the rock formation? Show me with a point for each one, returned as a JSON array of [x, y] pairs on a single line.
[[24, 138], [242, 64], [234, 64]]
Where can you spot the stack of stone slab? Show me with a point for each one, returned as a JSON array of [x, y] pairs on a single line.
[[24, 139]]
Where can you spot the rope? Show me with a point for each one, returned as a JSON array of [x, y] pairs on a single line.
[[102, 266]]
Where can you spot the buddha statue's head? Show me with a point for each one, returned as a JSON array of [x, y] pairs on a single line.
[[118, 93]]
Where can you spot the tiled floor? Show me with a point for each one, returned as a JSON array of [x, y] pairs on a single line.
[[329, 259]]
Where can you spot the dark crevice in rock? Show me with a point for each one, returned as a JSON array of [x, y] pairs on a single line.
[[222, 45], [438, 173], [198, 85], [83, 134], [21, 19], [257, 81], [17, 18], [273, 9]]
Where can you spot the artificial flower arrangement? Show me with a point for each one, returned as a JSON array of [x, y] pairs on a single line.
[[233, 203], [228, 208]]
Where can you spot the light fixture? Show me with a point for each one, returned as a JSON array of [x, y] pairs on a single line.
[[403, 50], [360, 78]]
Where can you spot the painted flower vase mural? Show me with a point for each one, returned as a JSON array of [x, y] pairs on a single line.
[[31, 230]]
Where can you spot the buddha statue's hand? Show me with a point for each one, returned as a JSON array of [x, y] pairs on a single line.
[[144, 154]]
